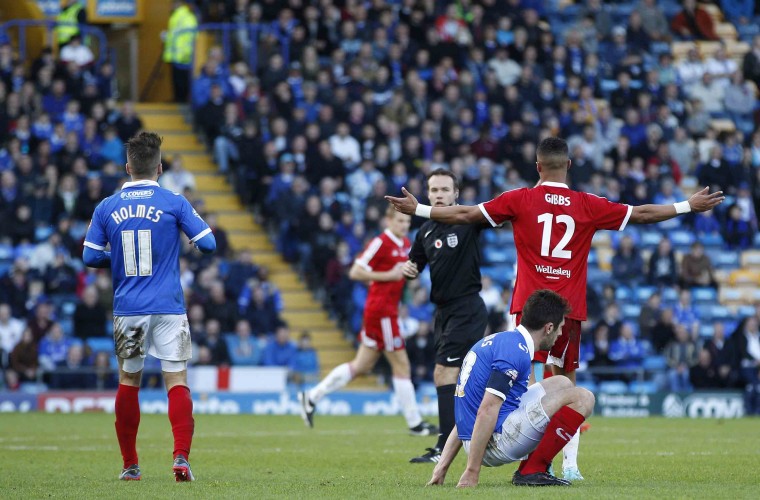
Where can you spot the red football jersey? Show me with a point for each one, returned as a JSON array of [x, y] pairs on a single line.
[[382, 254], [553, 228]]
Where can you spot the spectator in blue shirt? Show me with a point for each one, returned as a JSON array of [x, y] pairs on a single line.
[[627, 351], [53, 348], [280, 350], [306, 363], [244, 349]]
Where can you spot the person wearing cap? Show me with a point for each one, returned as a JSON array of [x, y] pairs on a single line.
[[72, 15]]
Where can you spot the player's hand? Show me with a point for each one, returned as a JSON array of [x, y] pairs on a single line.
[[438, 477], [469, 479], [409, 270], [703, 200], [406, 205], [397, 273]]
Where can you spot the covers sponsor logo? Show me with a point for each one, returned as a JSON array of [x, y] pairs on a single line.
[[705, 405], [139, 194], [452, 240], [551, 270]]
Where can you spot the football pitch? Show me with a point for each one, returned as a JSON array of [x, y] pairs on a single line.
[[246, 456]]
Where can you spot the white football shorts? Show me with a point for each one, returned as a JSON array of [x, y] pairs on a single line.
[[163, 336], [520, 432]]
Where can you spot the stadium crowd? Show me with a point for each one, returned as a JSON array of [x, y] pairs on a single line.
[[352, 100], [368, 96], [62, 136]]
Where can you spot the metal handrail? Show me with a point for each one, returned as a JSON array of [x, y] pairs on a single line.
[[85, 29]]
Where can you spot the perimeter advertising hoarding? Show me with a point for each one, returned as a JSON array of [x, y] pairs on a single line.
[[696, 405]]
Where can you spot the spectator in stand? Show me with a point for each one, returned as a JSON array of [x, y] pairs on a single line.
[[720, 355], [11, 330], [627, 264], [222, 240], [244, 349], [685, 314], [693, 23], [53, 348], [707, 223], [260, 311], [176, 178], [738, 233], [627, 351], [280, 350], [696, 268], [127, 123], [89, 316], [306, 364], [740, 103], [421, 350], [751, 62], [74, 373], [77, 52], [600, 350], [214, 342], [663, 270], [664, 331], [745, 354], [179, 40], [703, 375], [220, 308], [649, 316], [681, 354], [23, 358], [105, 376], [653, 20]]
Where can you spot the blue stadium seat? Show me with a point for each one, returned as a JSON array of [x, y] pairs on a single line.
[[630, 311], [67, 325], [613, 387], [642, 293], [654, 363], [723, 259], [593, 258], [745, 310], [712, 240], [650, 239], [588, 385], [623, 294], [681, 238], [706, 331], [6, 252], [643, 387], [497, 254], [101, 344], [596, 275], [669, 295], [704, 294], [502, 274]]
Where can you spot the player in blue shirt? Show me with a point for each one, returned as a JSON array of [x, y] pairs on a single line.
[[142, 225], [499, 419]]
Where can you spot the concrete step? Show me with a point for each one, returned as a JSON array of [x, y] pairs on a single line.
[[157, 107], [218, 202], [286, 280], [198, 163], [206, 182], [305, 320], [300, 299], [183, 142], [165, 123], [252, 241], [240, 221]]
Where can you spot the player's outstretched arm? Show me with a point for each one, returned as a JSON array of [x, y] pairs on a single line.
[[449, 453], [485, 422], [96, 258], [700, 201], [457, 214]]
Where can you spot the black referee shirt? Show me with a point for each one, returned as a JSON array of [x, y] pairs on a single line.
[[453, 253]]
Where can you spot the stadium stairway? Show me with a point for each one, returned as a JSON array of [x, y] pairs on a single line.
[[302, 311]]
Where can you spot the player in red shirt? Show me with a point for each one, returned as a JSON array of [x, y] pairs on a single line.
[[379, 265], [553, 228]]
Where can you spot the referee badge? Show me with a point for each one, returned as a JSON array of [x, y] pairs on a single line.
[[452, 240]]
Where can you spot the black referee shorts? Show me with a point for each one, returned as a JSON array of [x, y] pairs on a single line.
[[458, 325]]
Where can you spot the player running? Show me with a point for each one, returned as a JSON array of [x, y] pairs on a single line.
[[499, 419], [554, 227], [142, 225], [379, 265]]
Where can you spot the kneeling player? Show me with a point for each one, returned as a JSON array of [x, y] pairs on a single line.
[[498, 418]]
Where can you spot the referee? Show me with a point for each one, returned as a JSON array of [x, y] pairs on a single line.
[[461, 317]]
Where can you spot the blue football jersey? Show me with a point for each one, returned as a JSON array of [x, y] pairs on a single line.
[[499, 364], [142, 224]]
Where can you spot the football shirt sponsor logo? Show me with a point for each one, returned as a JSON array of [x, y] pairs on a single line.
[[140, 194], [555, 271]]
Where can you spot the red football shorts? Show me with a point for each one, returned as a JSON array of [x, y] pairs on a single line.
[[566, 350], [381, 333]]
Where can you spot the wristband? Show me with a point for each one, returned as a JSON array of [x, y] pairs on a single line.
[[423, 210], [682, 207]]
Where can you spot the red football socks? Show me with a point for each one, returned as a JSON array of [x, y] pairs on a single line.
[[127, 422], [181, 418], [562, 427]]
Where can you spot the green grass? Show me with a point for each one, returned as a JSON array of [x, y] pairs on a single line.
[[76, 456]]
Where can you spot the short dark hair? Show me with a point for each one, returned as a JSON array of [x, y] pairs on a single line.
[[542, 307], [445, 173], [144, 154], [553, 153]]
